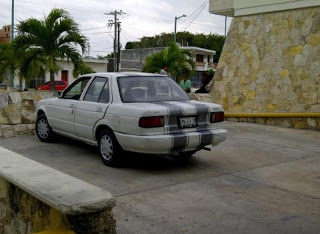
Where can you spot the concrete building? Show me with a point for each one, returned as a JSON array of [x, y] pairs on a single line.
[[5, 34], [270, 62], [133, 60]]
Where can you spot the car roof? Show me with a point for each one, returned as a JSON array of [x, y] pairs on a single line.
[[122, 74]]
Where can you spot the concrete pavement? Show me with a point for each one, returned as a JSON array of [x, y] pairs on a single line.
[[262, 179]]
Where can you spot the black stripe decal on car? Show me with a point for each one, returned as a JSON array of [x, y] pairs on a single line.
[[180, 140], [203, 112], [206, 138], [173, 112]]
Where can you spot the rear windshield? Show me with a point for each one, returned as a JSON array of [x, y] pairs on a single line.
[[150, 89]]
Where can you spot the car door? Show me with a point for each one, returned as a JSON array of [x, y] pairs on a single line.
[[61, 111], [92, 108]]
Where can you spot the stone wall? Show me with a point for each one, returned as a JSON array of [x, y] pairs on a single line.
[[271, 63], [37, 198], [17, 112]]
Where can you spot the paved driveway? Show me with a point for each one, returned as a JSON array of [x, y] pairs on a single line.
[[263, 179]]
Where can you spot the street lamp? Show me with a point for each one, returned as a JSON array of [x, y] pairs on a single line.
[[11, 40], [175, 27]]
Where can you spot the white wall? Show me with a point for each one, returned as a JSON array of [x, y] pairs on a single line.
[[249, 7], [96, 65]]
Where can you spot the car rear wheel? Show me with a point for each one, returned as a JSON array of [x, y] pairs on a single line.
[[43, 129], [109, 149]]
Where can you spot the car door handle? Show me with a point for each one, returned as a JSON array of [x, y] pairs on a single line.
[[99, 109], [72, 106]]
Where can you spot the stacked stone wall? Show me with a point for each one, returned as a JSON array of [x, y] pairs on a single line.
[[271, 63], [17, 112]]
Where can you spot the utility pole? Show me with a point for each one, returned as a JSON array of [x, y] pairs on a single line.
[[175, 27], [116, 42], [225, 26], [118, 55], [11, 40]]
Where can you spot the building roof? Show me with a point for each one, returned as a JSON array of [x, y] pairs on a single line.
[[198, 49]]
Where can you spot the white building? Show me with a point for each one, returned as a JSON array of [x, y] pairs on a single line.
[[65, 72]]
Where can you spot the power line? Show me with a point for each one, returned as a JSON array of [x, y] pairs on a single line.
[[196, 16], [193, 13], [89, 29]]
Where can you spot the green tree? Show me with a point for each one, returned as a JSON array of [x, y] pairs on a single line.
[[178, 61], [210, 41], [8, 59], [43, 42], [81, 68]]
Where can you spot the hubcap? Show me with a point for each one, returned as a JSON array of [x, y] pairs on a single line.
[[43, 128], [106, 147]]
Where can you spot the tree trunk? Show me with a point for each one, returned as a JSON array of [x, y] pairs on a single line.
[[20, 83], [52, 80]]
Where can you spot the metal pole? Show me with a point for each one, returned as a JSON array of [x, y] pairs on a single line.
[[225, 26], [11, 40], [175, 30], [115, 43], [118, 57]]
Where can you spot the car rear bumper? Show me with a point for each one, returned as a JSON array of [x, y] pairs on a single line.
[[170, 144]]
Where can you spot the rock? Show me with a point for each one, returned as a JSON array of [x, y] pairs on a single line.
[[306, 27], [13, 112], [311, 122], [315, 108], [4, 99], [4, 118], [300, 61], [313, 39], [15, 98], [7, 130], [27, 95], [27, 111]]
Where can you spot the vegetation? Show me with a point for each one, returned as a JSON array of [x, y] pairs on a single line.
[[178, 61], [210, 41], [8, 61], [43, 42], [81, 68]]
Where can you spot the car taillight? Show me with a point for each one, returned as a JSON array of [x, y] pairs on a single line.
[[151, 122], [217, 117]]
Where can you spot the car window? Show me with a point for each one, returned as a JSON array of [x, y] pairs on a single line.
[[60, 83], [150, 89], [94, 91], [74, 91], [105, 96]]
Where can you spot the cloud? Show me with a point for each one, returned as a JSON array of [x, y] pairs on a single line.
[[142, 18]]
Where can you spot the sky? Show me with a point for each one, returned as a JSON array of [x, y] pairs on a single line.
[[140, 18]]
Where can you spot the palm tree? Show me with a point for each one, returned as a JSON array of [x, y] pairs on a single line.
[[8, 60], [178, 61], [42, 42]]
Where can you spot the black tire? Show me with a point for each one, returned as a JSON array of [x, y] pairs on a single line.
[[43, 129], [109, 149]]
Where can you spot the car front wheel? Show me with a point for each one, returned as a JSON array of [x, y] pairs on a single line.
[[43, 129], [109, 149]]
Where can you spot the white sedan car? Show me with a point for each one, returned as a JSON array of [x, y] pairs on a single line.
[[139, 112]]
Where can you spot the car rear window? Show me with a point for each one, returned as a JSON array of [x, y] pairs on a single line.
[[150, 89]]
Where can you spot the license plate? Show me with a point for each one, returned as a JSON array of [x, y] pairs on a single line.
[[188, 122]]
